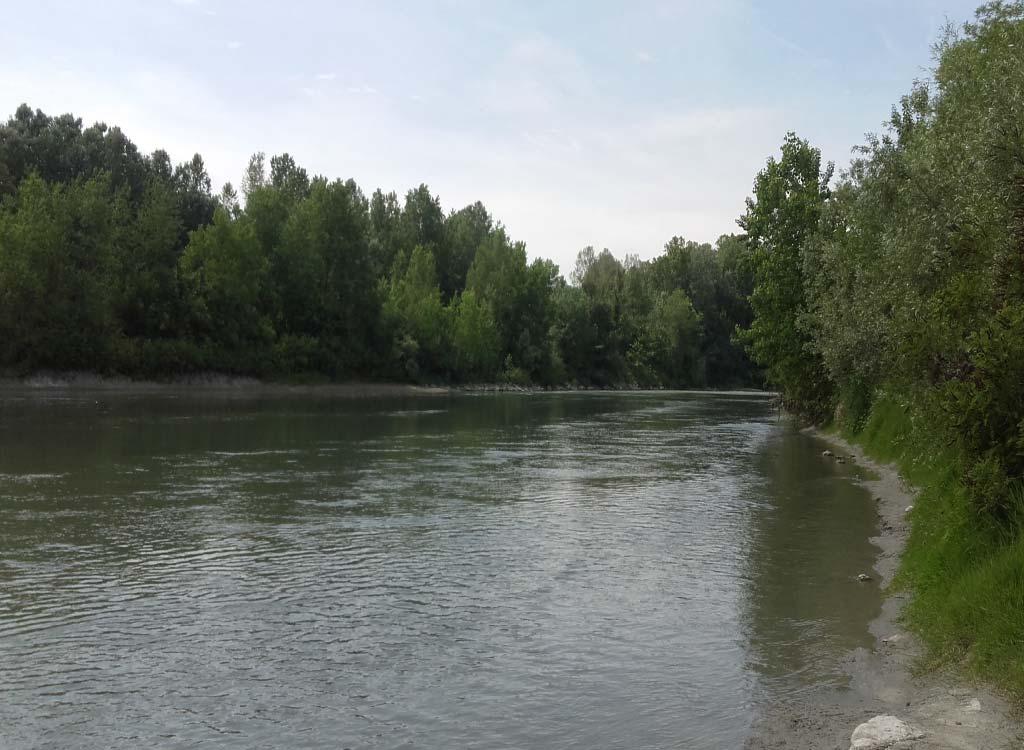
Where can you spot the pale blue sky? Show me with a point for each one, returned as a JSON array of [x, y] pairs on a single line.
[[576, 123]]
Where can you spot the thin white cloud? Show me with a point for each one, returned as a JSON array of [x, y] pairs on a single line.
[[536, 76], [233, 45], [544, 127], [141, 103]]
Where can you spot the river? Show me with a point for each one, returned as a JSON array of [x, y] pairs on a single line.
[[261, 569]]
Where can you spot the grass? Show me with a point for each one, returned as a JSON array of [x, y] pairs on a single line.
[[966, 572]]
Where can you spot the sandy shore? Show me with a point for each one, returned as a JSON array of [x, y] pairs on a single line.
[[952, 714], [227, 384], [214, 384]]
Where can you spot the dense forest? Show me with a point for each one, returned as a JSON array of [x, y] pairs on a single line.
[[118, 262], [891, 300]]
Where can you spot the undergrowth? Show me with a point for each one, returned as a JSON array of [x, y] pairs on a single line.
[[966, 570]]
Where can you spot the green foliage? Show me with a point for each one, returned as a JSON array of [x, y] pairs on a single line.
[[225, 278], [665, 350], [57, 246], [966, 569], [512, 374], [116, 261], [914, 287], [914, 274], [572, 332], [518, 295], [718, 282], [464, 232], [664, 322], [475, 338], [983, 407], [783, 214], [413, 310], [147, 298]]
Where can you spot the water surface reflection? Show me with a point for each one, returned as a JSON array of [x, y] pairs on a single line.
[[553, 570]]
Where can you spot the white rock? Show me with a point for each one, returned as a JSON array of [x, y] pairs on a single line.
[[909, 508], [894, 638], [882, 732], [973, 705], [863, 577], [827, 453]]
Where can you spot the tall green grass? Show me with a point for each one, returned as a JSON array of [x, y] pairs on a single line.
[[965, 570]]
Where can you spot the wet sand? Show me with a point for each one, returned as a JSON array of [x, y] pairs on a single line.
[[217, 384]]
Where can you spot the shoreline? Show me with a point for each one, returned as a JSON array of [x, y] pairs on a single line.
[[952, 714], [219, 383], [209, 384]]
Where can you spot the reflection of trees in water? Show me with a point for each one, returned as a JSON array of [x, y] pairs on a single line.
[[105, 463], [803, 609], [118, 456]]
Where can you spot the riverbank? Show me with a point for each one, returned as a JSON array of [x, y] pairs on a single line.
[[214, 382], [949, 712], [221, 382]]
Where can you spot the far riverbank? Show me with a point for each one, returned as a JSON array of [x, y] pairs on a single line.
[[357, 389]]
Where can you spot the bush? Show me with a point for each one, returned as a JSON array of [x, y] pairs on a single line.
[[514, 375], [966, 570]]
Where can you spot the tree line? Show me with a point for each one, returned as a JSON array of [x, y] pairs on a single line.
[[120, 262], [891, 301], [907, 274]]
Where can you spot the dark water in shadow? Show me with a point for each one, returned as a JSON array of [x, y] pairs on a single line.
[[498, 571]]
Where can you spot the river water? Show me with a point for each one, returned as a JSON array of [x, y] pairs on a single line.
[[255, 569]]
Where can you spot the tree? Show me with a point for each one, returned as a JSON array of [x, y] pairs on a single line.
[[57, 244], [783, 214], [518, 295], [385, 231], [289, 177], [195, 203], [414, 311], [147, 296], [325, 275], [475, 339], [465, 231], [422, 223], [255, 174], [226, 277]]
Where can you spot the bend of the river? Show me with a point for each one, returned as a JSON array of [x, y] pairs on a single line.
[[262, 570]]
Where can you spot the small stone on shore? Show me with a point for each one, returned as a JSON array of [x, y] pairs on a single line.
[[863, 577], [882, 732]]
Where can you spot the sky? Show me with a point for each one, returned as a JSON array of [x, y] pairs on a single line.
[[612, 124]]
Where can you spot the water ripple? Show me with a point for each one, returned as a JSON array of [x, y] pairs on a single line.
[[564, 572]]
